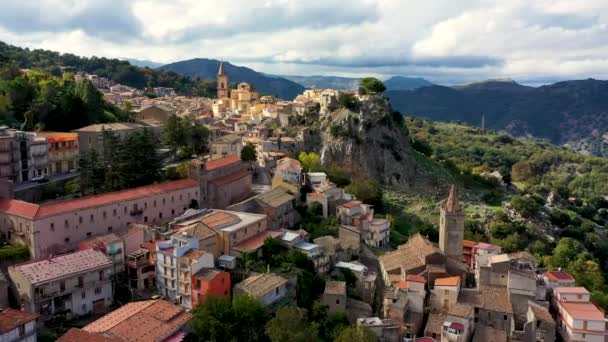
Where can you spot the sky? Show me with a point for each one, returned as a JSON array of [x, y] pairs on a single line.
[[445, 41]]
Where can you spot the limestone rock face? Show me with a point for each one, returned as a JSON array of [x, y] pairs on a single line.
[[367, 139]]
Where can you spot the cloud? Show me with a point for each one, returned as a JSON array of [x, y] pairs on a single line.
[[449, 41]]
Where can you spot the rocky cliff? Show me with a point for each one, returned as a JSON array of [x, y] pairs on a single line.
[[369, 139]]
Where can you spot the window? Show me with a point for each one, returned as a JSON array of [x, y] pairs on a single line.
[[62, 285], [276, 290], [104, 215], [172, 199], [164, 201], [84, 307], [505, 317], [52, 227], [66, 240], [81, 283], [91, 218], [489, 315], [97, 290], [113, 212], [66, 223], [100, 275], [198, 283], [172, 211], [160, 215], [21, 330], [125, 209], [145, 218], [110, 228], [538, 324], [154, 204], [79, 219], [83, 295], [89, 234], [337, 301]]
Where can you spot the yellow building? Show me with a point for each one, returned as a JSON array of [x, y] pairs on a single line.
[[64, 151]]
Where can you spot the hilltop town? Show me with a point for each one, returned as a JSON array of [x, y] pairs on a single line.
[[250, 209]]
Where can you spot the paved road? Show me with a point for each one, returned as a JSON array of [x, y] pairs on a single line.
[[29, 185]]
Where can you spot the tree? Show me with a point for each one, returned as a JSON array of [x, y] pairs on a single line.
[[587, 273], [248, 153], [367, 191], [311, 162], [220, 319], [185, 136], [290, 324], [566, 251], [372, 85], [356, 334], [92, 172]]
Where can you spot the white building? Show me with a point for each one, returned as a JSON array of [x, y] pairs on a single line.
[[17, 325], [77, 283], [578, 319]]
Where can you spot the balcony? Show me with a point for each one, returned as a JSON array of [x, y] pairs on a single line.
[[184, 291], [136, 212]]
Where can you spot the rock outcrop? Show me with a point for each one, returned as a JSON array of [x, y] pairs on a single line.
[[369, 139]]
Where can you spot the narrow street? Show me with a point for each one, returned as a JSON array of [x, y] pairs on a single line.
[[261, 180]]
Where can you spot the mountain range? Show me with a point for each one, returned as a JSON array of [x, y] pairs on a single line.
[[348, 83], [563, 112], [204, 69]]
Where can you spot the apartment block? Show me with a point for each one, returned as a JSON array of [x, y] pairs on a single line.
[[77, 283], [577, 318], [23, 155], [64, 152]]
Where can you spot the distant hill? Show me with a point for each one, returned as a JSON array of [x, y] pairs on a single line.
[[564, 112], [406, 83], [325, 82], [348, 83], [142, 63], [206, 69]]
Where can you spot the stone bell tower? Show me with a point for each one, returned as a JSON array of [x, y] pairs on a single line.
[[451, 227], [222, 83]]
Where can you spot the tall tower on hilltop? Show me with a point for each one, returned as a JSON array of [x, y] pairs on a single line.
[[451, 227], [222, 82]]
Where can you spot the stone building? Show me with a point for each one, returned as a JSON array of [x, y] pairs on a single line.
[[334, 296], [91, 137], [268, 288], [222, 181], [23, 156], [451, 227], [225, 145], [539, 326]]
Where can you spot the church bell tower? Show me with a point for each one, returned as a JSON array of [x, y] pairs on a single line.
[[451, 227], [222, 83]]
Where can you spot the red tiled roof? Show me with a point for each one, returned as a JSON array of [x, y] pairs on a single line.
[[558, 275], [10, 319], [77, 335], [153, 320], [468, 243], [219, 219], [315, 195], [230, 178], [584, 311], [415, 278], [571, 290], [18, 208], [257, 241], [450, 281], [217, 163], [350, 204], [403, 285], [31, 211]]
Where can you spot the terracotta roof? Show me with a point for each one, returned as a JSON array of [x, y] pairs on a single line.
[[10, 319], [18, 208], [207, 273], [468, 243], [572, 290], [315, 195], [558, 275], [61, 266], [31, 211], [218, 163], [199, 231], [449, 281], [260, 284], [415, 278], [409, 256], [230, 178], [489, 298], [77, 335], [335, 288], [276, 197], [351, 204], [288, 164], [147, 321], [584, 311], [540, 312], [460, 310], [257, 241], [219, 219], [434, 324], [403, 285]]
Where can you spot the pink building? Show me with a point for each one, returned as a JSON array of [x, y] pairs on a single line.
[[577, 318], [58, 227], [223, 181]]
